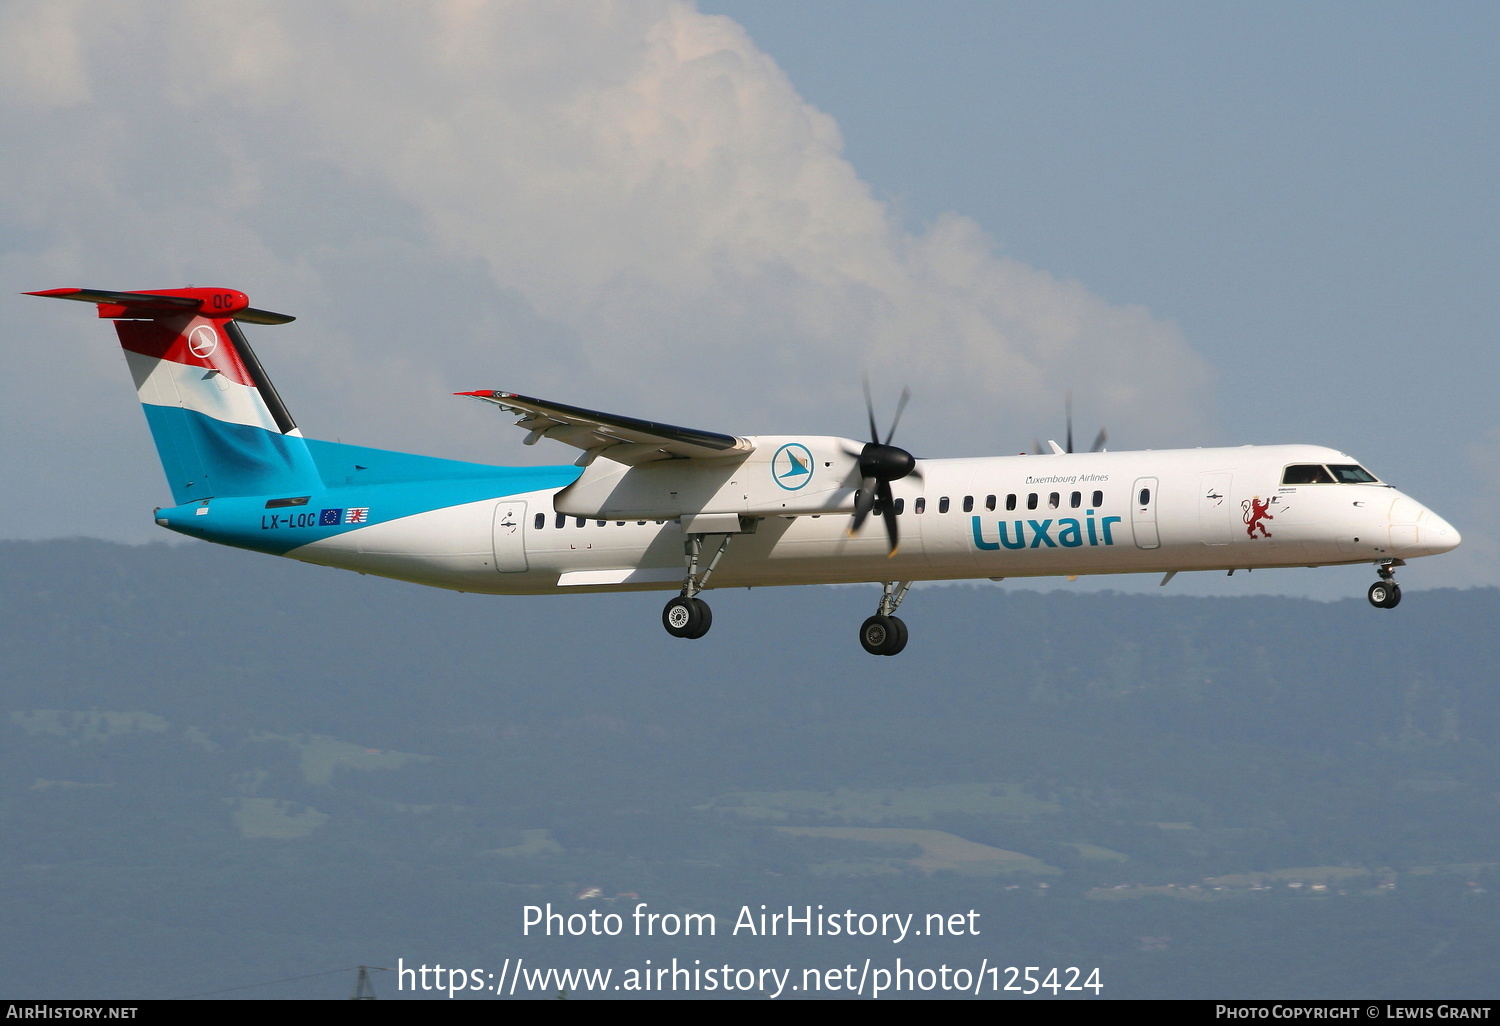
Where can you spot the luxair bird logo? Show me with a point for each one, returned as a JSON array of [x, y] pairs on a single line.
[[792, 466], [203, 341]]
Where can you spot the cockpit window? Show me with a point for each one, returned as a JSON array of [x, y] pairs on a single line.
[[1351, 473], [1306, 473]]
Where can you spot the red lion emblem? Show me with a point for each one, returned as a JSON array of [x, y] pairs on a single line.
[[1255, 512]]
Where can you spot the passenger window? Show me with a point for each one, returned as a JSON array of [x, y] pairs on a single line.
[[1098, 499], [989, 502], [920, 506], [599, 522], [541, 521], [562, 520], [943, 504], [1054, 500], [1010, 502], [968, 503], [1306, 473], [581, 521], [1031, 501], [1075, 500], [1145, 497], [900, 507]]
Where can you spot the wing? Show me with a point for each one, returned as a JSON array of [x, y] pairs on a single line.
[[621, 439]]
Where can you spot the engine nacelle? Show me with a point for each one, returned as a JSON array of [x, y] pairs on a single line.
[[785, 475]]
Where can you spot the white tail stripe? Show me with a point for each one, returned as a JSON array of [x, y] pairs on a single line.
[[199, 389]]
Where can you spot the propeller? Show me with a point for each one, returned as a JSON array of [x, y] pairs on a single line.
[[1099, 439], [881, 463]]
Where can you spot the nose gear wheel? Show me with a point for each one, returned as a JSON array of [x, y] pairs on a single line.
[[1386, 593]]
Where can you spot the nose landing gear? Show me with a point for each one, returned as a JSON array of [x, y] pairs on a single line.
[[1386, 593]]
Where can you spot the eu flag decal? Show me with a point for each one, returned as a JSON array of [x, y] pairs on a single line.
[[330, 517]]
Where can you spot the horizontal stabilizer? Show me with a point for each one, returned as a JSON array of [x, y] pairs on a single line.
[[208, 302]]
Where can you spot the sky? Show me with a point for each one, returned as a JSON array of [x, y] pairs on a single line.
[[1213, 224]]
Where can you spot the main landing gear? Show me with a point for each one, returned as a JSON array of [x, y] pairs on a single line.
[[687, 615], [1386, 593], [885, 633]]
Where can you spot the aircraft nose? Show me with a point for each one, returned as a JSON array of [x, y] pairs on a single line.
[[1417, 530], [1435, 534]]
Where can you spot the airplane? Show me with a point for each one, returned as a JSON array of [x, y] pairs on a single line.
[[650, 506]]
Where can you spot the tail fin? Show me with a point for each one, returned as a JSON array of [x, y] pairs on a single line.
[[219, 426]]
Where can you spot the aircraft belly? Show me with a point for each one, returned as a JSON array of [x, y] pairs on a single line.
[[453, 547]]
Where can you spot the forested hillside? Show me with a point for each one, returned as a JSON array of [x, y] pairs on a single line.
[[221, 769]]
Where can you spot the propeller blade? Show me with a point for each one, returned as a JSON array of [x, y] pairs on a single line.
[[880, 463], [1068, 402], [900, 408], [870, 409], [864, 501], [1068, 447], [888, 512]]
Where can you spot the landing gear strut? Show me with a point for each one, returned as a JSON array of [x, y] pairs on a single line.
[[688, 616], [1386, 593], [885, 633]]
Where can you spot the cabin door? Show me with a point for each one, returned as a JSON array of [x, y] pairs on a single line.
[[510, 536], [1143, 514], [1216, 517]]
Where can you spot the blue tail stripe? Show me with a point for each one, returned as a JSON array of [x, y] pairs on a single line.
[[205, 457], [341, 464]]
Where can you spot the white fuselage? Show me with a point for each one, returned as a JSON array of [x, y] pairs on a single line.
[[1013, 516]]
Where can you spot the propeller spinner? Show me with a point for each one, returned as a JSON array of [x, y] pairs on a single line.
[[881, 463]]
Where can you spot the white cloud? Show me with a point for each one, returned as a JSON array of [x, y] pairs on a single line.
[[615, 204], [41, 63]]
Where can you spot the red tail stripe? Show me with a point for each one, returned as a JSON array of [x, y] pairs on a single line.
[[195, 342]]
